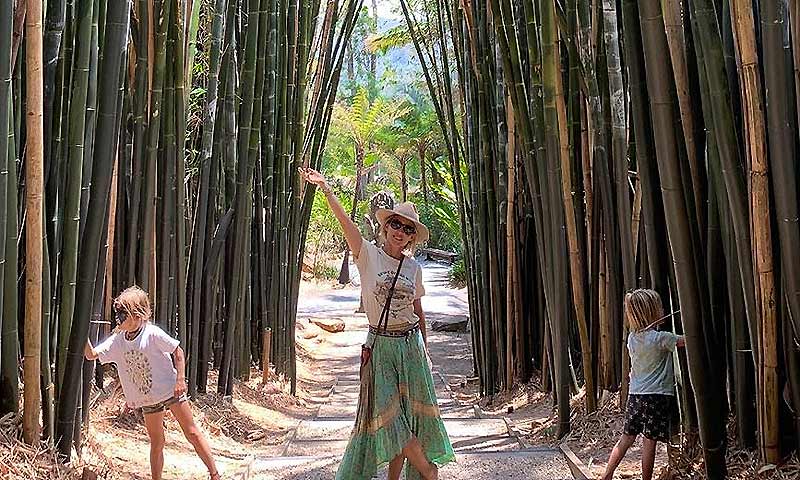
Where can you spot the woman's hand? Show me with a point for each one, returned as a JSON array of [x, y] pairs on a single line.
[[351, 232], [314, 177]]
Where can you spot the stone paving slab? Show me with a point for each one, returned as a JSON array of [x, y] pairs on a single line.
[[339, 429], [323, 448], [539, 464], [341, 410]]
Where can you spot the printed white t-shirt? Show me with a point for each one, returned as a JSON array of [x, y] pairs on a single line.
[[377, 269], [144, 364]]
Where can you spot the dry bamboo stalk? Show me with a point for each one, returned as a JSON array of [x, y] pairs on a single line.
[[606, 363], [586, 163], [34, 186], [636, 217], [112, 215], [794, 16], [755, 150], [267, 342], [673, 26], [511, 291], [575, 260]]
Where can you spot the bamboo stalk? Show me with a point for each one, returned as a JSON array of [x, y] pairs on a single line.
[[575, 259], [673, 26], [114, 48], [267, 344], [511, 248], [34, 182], [9, 343], [8, 224], [773, 18]]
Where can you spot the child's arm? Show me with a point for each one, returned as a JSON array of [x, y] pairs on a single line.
[[681, 341], [89, 352], [179, 360]]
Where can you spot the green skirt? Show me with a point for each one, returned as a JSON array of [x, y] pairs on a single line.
[[397, 401]]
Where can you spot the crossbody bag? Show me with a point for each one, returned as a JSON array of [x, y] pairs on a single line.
[[366, 350]]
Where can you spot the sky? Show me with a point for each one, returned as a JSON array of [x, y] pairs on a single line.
[[387, 10]]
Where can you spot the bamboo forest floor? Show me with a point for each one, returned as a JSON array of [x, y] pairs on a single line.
[[262, 432]]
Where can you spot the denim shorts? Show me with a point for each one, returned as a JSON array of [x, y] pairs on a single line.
[[163, 406]]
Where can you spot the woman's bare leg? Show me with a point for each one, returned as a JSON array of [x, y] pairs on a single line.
[[396, 467], [621, 448], [183, 414], [413, 452], [154, 423]]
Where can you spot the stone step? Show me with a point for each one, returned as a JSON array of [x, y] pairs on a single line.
[[325, 447], [339, 429], [532, 464]]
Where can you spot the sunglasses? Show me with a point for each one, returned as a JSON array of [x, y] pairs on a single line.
[[397, 225]]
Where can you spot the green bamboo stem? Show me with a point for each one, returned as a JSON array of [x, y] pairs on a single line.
[[9, 343], [114, 48], [75, 161]]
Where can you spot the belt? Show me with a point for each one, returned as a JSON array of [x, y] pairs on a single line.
[[394, 333]]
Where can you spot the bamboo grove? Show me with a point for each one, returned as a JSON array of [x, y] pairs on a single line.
[[166, 154], [608, 145]]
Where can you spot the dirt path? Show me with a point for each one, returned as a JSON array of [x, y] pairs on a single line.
[[486, 447], [264, 433]]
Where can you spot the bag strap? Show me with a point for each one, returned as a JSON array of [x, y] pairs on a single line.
[[384, 319]]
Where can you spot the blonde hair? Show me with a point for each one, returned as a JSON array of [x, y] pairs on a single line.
[[410, 247], [642, 308], [135, 303]]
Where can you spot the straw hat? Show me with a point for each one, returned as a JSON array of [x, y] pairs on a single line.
[[408, 211]]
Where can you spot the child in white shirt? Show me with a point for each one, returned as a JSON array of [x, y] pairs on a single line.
[[151, 368]]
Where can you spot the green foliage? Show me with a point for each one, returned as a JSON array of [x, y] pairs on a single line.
[[395, 131], [441, 218], [324, 233], [457, 276], [323, 271]]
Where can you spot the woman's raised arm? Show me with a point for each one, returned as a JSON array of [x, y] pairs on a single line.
[[351, 232]]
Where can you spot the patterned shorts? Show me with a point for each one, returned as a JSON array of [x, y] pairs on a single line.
[[163, 406], [650, 415]]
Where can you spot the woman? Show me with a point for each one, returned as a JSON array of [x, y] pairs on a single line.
[[398, 416]]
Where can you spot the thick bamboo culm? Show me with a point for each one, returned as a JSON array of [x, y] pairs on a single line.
[[267, 344], [34, 191]]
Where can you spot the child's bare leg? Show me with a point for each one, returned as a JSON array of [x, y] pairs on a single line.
[[413, 451], [648, 458], [396, 467], [620, 449], [154, 423], [183, 414]]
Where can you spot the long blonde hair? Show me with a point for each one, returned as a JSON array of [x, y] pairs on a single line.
[[135, 303], [642, 308]]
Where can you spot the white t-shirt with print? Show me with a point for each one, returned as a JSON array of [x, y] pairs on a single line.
[[144, 364], [377, 269]]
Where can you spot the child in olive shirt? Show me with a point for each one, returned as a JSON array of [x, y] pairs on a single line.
[[651, 398]]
